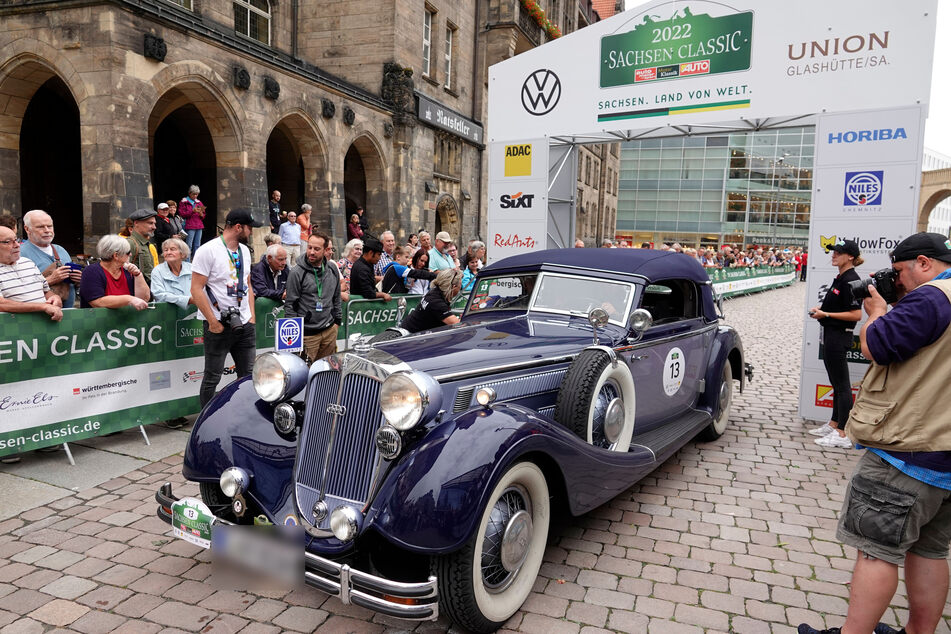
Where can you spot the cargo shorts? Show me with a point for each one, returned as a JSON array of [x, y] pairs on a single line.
[[887, 514]]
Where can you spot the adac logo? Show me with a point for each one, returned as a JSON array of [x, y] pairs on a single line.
[[518, 160], [864, 188], [865, 136], [541, 92], [518, 201]]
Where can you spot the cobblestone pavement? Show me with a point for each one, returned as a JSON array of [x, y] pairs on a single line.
[[732, 536]]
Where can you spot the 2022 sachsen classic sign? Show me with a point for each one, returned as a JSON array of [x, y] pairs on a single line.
[[681, 46]]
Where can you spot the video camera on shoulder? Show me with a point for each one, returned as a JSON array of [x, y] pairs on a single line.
[[883, 281]]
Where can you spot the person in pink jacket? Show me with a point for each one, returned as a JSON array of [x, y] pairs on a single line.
[[193, 211]]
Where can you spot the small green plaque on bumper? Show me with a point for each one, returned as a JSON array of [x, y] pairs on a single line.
[[192, 520]]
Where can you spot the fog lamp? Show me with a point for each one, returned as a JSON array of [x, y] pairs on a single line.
[[285, 418], [388, 442], [344, 522], [234, 480]]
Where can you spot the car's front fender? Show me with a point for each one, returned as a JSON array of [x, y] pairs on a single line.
[[236, 429], [432, 499]]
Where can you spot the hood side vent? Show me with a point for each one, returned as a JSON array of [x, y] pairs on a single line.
[[463, 399]]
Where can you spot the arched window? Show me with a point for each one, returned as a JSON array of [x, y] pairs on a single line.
[[252, 18]]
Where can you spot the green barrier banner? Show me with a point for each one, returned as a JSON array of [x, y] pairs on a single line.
[[740, 281], [98, 370]]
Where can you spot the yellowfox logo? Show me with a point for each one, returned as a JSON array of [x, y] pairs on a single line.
[[827, 243]]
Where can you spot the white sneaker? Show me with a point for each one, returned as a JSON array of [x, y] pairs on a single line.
[[834, 440], [822, 430]]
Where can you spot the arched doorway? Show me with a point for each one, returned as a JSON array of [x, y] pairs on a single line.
[[285, 169], [447, 216], [182, 153], [364, 185], [354, 181], [51, 161]]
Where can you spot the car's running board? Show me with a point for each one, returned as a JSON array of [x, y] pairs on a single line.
[[663, 441]]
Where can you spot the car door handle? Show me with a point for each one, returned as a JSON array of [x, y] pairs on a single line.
[[638, 357]]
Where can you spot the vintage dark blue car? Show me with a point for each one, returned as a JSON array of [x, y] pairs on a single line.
[[423, 470]]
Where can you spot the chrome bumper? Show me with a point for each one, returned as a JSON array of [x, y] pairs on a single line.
[[411, 601]]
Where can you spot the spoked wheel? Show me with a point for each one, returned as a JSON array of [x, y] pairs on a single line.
[[724, 403], [596, 401], [482, 585]]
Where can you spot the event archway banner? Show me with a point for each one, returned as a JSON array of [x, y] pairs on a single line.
[[703, 63], [859, 71]]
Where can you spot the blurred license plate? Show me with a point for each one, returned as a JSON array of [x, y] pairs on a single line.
[[273, 551]]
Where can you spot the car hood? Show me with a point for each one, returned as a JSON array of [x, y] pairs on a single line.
[[485, 344]]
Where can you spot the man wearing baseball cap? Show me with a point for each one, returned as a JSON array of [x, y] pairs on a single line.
[[439, 257], [897, 509], [221, 289]]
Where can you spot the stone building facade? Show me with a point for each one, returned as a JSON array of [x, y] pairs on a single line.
[[113, 106]]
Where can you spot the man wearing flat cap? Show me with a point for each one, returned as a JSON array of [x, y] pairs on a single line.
[[897, 509], [143, 253]]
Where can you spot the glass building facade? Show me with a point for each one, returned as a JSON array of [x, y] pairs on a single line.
[[746, 188]]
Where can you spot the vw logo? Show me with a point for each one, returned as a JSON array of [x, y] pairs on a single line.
[[541, 92], [336, 410]]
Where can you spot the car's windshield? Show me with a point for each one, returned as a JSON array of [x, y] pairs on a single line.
[[509, 292], [555, 293], [578, 295]]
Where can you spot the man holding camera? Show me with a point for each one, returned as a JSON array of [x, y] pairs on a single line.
[[897, 509], [221, 289]]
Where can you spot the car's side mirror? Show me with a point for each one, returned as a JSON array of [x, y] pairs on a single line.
[[719, 301], [638, 323]]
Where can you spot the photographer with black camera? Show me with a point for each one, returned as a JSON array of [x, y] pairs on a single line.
[[838, 314], [221, 289], [897, 509]]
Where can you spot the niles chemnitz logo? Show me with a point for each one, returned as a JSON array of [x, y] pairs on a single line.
[[541, 92], [863, 189], [518, 201]]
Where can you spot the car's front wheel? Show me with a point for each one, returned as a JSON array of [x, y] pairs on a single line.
[[482, 585]]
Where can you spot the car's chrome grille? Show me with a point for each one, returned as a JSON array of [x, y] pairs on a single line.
[[353, 457]]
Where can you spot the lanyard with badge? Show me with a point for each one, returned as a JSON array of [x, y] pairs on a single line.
[[319, 306], [237, 259]]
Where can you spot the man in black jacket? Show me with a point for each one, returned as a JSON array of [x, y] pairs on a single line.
[[313, 292], [362, 279], [269, 276]]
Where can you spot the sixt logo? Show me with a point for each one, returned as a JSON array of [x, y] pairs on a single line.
[[864, 188], [861, 136], [518, 201]]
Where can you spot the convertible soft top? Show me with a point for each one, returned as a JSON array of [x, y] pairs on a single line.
[[654, 265]]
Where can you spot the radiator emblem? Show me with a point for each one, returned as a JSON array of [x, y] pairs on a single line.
[[335, 409]]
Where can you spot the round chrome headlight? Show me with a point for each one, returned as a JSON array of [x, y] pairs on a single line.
[[277, 376], [402, 401], [233, 480], [285, 418], [344, 522]]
